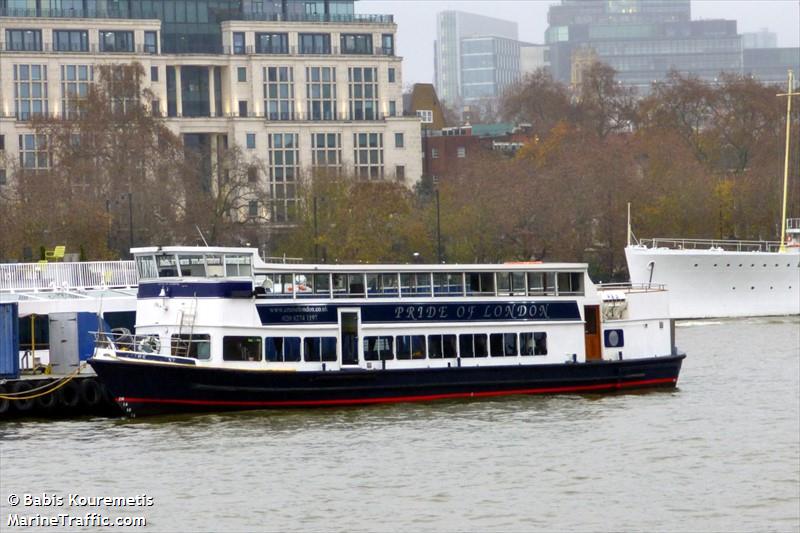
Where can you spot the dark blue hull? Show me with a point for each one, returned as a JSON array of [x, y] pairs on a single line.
[[149, 389]]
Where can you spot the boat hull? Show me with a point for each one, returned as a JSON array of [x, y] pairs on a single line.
[[150, 389], [720, 284]]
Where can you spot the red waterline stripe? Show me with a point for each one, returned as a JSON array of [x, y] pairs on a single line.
[[395, 399]]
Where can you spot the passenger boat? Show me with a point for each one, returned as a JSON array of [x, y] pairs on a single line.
[[219, 329]]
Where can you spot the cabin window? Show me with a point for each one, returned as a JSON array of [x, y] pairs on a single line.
[[503, 344], [237, 266], [241, 348], [411, 347], [533, 343], [278, 285], [319, 349], [192, 266], [348, 285], [570, 283], [382, 284], [448, 284], [303, 285], [322, 284], [415, 284], [167, 267], [472, 345], [280, 349], [194, 346], [441, 346], [146, 267], [480, 283], [214, 266], [542, 283], [378, 348], [511, 283]]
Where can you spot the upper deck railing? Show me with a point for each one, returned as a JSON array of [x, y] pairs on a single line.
[[66, 276], [712, 245]]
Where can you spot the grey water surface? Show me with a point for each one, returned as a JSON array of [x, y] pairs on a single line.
[[720, 453]]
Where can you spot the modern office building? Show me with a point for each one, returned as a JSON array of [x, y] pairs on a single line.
[[489, 65], [533, 57], [452, 28], [759, 39], [296, 84], [771, 65], [641, 39]]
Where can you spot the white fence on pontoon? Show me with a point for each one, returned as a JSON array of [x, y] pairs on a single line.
[[66, 276]]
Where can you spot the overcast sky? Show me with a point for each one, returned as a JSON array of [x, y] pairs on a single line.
[[416, 21]]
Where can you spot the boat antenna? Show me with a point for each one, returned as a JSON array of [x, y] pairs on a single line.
[[201, 234], [629, 223], [788, 96]]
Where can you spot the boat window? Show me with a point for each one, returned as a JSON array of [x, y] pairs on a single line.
[[541, 283], [378, 348], [319, 349], [348, 285], [503, 344], [382, 284], [533, 343], [411, 347], [480, 283], [304, 285], [570, 283], [281, 349], [167, 267], [472, 345], [441, 346], [278, 285], [192, 266], [195, 346], [415, 284], [146, 267], [214, 266], [322, 284], [511, 283], [241, 348], [448, 284], [237, 265]]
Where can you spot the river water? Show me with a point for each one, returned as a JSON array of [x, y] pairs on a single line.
[[722, 452]]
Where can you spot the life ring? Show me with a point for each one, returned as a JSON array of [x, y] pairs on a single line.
[[69, 396], [21, 387], [91, 394]]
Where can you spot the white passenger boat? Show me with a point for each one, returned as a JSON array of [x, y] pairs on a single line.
[[218, 329]]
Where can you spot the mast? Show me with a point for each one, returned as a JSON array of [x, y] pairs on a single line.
[[788, 96]]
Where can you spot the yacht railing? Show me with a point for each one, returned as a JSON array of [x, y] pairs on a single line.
[[67, 276], [712, 244], [631, 287]]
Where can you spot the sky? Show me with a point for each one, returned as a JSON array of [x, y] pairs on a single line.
[[416, 22]]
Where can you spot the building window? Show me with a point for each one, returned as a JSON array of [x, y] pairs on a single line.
[[434, 153], [363, 93], [2, 143], [2, 176], [241, 73], [150, 42], [243, 108], [251, 141], [153, 73], [315, 43], [30, 88], [238, 43], [392, 76], [392, 108], [24, 40], [356, 43], [252, 174], [279, 93], [326, 151], [33, 154], [252, 209], [425, 115], [284, 171], [368, 155], [272, 43], [116, 41], [321, 93], [399, 140], [387, 44], [75, 83], [155, 107], [400, 172], [71, 40], [461, 152]]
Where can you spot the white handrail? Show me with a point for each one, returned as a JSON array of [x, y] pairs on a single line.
[[67, 276], [708, 244]]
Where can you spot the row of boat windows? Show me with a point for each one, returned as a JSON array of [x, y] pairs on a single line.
[[210, 265], [376, 348], [416, 284]]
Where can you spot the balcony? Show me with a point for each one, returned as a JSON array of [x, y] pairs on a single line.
[[336, 19], [293, 51]]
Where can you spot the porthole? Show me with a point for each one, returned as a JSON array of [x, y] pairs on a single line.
[[752, 288], [740, 265], [734, 288], [752, 265], [695, 265], [715, 264], [771, 287]]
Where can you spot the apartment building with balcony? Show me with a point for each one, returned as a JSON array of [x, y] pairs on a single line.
[[297, 85]]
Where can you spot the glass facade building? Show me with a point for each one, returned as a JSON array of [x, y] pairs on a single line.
[[489, 65]]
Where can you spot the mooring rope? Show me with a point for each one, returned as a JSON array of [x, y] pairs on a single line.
[[49, 386]]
